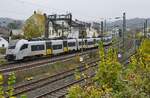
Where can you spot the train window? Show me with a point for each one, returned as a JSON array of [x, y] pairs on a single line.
[[71, 44], [37, 47], [90, 43], [55, 47], [24, 46], [11, 47]]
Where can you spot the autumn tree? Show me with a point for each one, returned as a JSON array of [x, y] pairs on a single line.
[[34, 26]]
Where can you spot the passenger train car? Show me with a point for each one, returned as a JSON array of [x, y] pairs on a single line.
[[23, 48], [107, 40]]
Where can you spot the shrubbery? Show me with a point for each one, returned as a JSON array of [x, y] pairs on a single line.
[[114, 80]]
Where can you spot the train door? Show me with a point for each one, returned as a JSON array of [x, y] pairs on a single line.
[[23, 52], [85, 44], [65, 46], [77, 44], [48, 48]]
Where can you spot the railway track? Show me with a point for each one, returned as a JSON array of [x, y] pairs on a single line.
[[20, 89], [24, 66], [61, 91]]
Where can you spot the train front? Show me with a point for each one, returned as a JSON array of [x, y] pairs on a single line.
[[13, 50]]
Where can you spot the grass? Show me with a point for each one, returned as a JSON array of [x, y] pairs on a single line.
[[50, 69]]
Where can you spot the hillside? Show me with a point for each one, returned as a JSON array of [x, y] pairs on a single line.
[[131, 23], [11, 23]]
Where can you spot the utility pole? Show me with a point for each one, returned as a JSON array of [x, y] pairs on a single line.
[[102, 29], [105, 25], [82, 35], [124, 30], [145, 28], [120, 35], [82, 32], [62, 29], [46, 35]]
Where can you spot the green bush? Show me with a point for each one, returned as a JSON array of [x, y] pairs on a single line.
[[2, 50], [114, 80]]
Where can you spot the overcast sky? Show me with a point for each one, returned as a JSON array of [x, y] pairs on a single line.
[[81, 9]]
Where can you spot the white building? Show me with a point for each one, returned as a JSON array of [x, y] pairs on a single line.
[[3, 43], [17, 32]]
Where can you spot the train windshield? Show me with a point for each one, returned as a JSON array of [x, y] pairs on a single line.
[[11, 47]]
